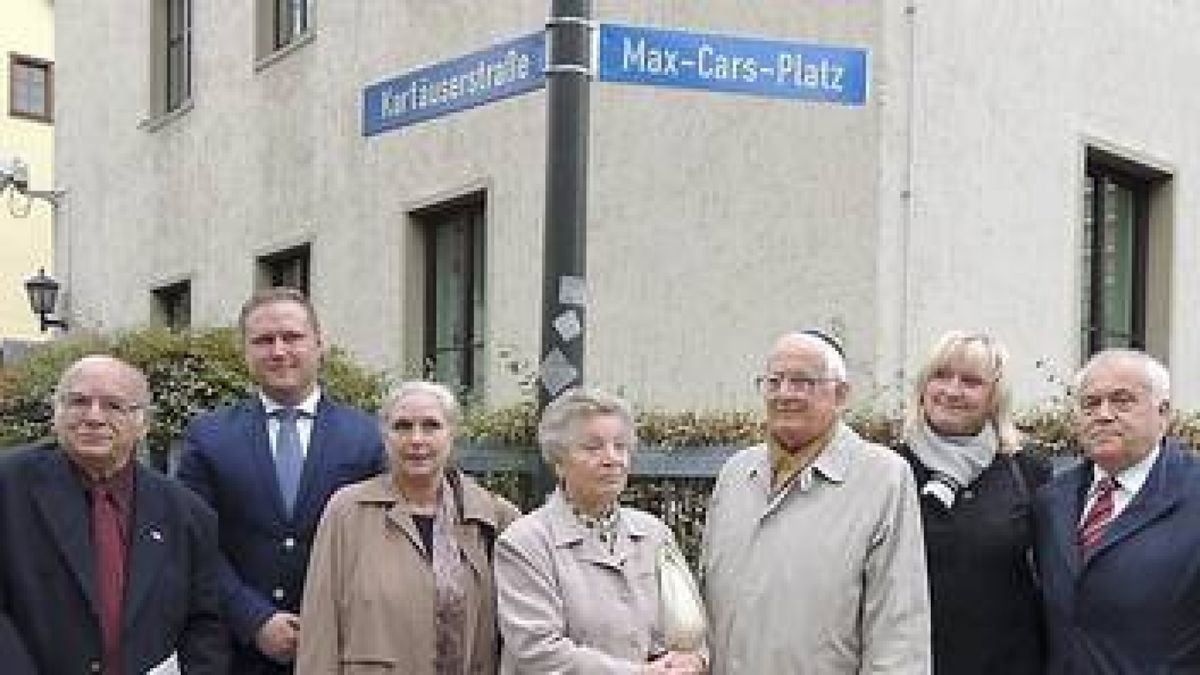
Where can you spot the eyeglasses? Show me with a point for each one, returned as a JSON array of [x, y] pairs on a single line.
[[78, 405], [406, 425], [800, 384], [1121, 400]]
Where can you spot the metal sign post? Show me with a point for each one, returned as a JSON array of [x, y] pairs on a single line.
[[564, 298]]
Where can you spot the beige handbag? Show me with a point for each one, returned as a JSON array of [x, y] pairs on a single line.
[[682, 612]]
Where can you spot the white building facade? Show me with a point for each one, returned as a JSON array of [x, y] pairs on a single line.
[[1028, 170]]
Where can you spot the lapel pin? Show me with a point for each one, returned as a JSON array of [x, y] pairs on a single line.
[[156, 535]]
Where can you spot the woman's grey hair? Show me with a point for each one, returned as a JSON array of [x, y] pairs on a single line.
[[558, 430], [1157, 377], [984, 353], [445, 397]]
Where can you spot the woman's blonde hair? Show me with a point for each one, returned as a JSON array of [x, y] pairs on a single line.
[[990, 357]]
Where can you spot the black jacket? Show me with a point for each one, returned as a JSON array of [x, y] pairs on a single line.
[[47, 588], [985, 603]]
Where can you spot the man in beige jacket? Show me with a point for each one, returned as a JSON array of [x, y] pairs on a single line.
[[813, 557]]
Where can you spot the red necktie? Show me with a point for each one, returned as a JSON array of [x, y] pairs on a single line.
[[1099, 516], [110, 573]]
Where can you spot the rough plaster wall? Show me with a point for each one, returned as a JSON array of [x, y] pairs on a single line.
[[1006, 95], [721, 221], [716, 221]]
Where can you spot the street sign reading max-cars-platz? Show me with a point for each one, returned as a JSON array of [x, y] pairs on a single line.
[[631, 55]]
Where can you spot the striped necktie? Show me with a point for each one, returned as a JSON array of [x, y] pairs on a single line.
[[1091, 530]]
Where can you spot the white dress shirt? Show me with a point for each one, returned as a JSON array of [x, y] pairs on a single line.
[[1129, 482], [304, 423]]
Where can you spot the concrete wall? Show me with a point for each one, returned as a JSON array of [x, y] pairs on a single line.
[[27, 28], [952, 199], [1007, 97], [692, 272], [721, 221]]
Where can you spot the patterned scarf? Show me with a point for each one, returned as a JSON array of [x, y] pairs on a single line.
[[603, 526], [450, 578]]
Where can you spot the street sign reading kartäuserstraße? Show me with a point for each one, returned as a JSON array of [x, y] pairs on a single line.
[[627, 54], [733, 64], [495, 73]]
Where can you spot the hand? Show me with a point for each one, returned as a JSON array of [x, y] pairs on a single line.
[[278, 636], [656, 667], [684, 663]]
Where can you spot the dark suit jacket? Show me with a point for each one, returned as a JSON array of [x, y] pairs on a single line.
[[227, 460], [48, 614], [1133, 605]]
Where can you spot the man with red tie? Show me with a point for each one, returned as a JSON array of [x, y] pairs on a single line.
[[106, 566], [1118, 537]]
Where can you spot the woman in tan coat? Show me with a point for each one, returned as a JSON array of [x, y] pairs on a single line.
[[576, 583], [400, 579]]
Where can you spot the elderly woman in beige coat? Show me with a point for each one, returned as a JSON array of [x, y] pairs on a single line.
[[576, 581], [400, 578]]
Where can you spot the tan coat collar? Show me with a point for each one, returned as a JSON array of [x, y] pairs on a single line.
[[477, 503], [833, 462]]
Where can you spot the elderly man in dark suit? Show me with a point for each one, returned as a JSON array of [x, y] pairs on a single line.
[[268, 465], [1118, 538], [106, 566]]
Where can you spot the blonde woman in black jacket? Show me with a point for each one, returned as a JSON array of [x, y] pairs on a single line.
[[976, 489]]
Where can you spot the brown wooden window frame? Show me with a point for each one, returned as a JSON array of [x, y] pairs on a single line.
[[16, 60], [468, 215]]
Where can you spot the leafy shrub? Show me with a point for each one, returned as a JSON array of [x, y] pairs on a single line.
[[188, 374], [197, 371]]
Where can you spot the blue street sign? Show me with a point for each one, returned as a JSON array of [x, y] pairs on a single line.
[[727, 63], [501, 71]]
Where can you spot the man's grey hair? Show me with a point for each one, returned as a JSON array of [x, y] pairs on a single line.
[[558, 430], [136, 377], [451, 409], [835, 364], [1157, 378]]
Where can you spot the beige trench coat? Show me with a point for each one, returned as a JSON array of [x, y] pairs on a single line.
[[369, 598], [826, 577], [567, 605]]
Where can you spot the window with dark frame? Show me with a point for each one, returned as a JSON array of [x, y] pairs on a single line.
[[289, 268], [178, 80], [173, 304], [455, 293], [30, 88], [291, 21], [1116, 237]]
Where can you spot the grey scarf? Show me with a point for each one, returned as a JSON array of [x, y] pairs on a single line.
[[954, 461]]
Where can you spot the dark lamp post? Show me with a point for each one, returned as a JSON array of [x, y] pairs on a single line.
[[43, 296]]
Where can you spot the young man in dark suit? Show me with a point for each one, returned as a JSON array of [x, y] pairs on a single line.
[[106, 566], [1117, 537], [268, 465]]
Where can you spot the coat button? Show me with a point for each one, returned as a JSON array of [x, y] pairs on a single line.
[[278, 594], [94, 667], [289, 543]]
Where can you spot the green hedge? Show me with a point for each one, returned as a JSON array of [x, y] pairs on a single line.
[[197, 371], [188, 373]]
